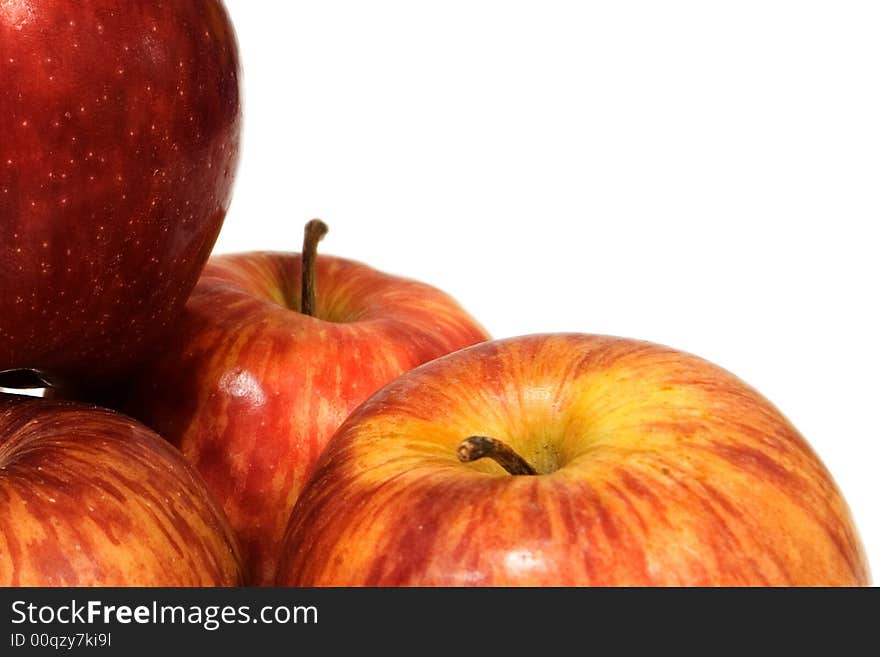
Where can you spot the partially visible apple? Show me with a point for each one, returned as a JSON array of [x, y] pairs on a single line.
[[89, 497], [250, 388], [653, 467], [119, 141]]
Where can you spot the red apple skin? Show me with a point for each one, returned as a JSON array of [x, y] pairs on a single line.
[[250, 390], [89, 497], [120, 140], [659, 469]]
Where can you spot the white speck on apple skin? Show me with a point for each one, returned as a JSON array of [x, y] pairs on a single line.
[[524, 562], [243, 385]]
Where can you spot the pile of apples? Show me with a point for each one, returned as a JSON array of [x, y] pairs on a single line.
[[294, 419]]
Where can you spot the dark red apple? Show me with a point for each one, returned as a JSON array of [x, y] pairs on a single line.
[[250, 388], [89, 497], [119, 141]]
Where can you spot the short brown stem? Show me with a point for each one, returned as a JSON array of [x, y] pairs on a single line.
[[314, 233], [477, 447]]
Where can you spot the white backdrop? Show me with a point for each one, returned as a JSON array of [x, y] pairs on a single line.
[[699, 174]]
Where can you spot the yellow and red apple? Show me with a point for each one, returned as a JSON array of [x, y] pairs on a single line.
[[651, 467], [89, 497], [250, 389]]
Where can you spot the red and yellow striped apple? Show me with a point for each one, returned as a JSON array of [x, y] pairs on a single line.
[[89, 497], [250, 388], [119, 142], [652, 467]]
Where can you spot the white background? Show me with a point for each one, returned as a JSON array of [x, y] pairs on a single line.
[[699, 174]]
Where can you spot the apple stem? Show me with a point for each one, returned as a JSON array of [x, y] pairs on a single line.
[[314, 233], [477, 447]]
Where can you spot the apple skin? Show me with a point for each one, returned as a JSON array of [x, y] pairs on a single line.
[[659, 469], [250, 390], [120, 141], [89, 497]]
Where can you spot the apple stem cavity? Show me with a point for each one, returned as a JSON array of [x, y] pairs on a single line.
[[477, 447], [314, 233]]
